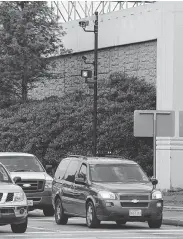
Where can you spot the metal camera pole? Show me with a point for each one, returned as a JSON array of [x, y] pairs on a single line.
[[87, 74], [95, 85]]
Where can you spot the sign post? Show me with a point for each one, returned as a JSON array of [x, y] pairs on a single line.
[[153, 123], [154, 145]]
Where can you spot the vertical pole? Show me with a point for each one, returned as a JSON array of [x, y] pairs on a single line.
[[95, 85], [57, 11], [74, 5], [68, 10], [154, 145]]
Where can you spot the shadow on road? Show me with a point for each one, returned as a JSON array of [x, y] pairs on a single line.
[[109, 226], [103, 225]]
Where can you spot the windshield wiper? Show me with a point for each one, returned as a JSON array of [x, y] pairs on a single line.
[[20, 170], [132, 180], [24, 170]]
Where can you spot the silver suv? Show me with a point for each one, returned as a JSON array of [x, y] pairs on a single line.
[[13, 203], [35, 182]]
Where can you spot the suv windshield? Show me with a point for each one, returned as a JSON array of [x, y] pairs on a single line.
[[115, 173], [4, 177], [21, 163]]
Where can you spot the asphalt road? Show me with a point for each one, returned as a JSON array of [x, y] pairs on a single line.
[[45, 227]]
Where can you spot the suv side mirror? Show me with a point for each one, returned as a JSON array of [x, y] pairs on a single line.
[[80, 181], [154, 181], [17, 179]]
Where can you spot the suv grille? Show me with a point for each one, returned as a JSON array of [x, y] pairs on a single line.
[[131, 197], [134, 205], [32, 185], [1, 195], [10, 197]]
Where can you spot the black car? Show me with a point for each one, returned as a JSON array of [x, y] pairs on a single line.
[[105, 189]]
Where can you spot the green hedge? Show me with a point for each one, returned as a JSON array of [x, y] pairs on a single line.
[[56, 126]]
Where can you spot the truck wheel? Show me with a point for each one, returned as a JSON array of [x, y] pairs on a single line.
[[19, 228], [91, 218], [155, 223], [60, 217], [48, 211]]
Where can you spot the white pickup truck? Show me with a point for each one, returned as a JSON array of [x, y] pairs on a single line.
[[35, 181]]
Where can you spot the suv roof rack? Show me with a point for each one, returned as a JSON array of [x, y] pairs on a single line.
[[77, 156], [109, 155]]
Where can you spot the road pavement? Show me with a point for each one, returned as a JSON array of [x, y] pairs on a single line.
[[173, 216], [45, 227]]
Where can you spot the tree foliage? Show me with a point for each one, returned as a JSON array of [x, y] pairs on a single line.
[[29, 34], [55, 127]]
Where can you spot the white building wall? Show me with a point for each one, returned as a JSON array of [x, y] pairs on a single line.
[[116, 28]]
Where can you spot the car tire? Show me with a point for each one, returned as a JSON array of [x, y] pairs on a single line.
[[120, 222], [19, 228], [91, 218], [60, 217], [48, 211], [155, 223]]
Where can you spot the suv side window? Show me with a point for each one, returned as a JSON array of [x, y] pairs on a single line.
[[71, 171], [83, 171], [59, 174]]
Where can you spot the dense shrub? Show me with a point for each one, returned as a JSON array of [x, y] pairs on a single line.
[[56, 126]]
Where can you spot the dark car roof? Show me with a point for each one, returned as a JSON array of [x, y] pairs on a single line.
[[103, 160]]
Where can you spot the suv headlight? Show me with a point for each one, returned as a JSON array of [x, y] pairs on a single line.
[[157, 195], [18, 197], [106, 195], [48, 184]]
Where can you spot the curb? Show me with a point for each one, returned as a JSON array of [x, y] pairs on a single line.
[[173, 222], [173, 208]]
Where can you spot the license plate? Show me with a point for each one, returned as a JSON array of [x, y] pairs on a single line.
[[135, 213], [30, 202]]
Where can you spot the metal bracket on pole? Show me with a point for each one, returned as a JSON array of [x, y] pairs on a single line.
[[89, 63], [87, 30]]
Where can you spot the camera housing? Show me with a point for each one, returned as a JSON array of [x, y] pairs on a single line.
[[83, 24], [84, 58]]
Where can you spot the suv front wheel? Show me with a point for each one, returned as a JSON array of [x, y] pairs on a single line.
[[91, 218], [156, 223], [48, 211], [19, 228], [60, 217]]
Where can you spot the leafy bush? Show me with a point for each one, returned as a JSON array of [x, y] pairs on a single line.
[[55, 126]]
